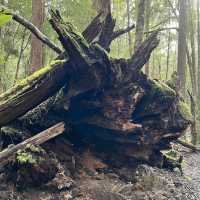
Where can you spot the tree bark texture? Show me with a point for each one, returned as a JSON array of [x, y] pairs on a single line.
[[139, 23], [181, 69], [36, 60]]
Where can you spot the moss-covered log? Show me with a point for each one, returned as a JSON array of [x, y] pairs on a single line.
[[33, 90]]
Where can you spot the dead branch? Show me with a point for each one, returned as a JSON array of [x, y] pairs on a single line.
[[93, 29], [137, 62], [24, 22], [8, 154]]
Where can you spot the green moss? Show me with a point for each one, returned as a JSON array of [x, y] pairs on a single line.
[[23, 158], [184, 110], [40, 72], [172, 154], [24, 84], [163, 89], [172, 159], [30, 155]]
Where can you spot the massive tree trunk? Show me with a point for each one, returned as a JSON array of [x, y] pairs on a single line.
[[36, 60], [122, 110]]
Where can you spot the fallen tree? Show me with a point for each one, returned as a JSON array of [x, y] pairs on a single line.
[[107, 102]]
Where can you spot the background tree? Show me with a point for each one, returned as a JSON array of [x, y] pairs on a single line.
[[182, 43], [139, 23], [36, 60], [147, 26]]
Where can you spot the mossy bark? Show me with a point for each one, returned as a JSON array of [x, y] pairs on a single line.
[[33, 90]]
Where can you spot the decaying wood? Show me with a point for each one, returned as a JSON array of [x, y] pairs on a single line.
[[108, 102], [32, 91], [137, 62], [7, 154], [93, 29], [106, 36], [105, 30]]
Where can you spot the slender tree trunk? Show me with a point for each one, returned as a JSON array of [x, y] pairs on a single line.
[[128, 24], [181, 66], [198, 42], [139, 23], [36, 45], [168, 45], [147, 23], [193, 50], [20, 55]]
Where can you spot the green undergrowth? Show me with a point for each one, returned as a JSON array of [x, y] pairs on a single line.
[[30, 155], [172, 154]]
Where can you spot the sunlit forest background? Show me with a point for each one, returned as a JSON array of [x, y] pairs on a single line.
[[162, 15]]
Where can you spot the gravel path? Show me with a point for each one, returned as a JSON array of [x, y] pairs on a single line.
[[191, 168]]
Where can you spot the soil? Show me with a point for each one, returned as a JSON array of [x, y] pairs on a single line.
[[85, 175]]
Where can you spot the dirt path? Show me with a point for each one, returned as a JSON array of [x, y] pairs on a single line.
[[191, 168]]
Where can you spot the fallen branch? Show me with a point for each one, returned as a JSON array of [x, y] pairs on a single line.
[[8, 154], [21, 20]]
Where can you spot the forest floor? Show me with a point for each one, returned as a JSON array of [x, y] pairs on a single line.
[[83, 175], [191, 168]]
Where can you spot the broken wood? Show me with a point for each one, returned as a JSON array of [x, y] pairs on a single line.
[[7, 154], [93, 29]]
